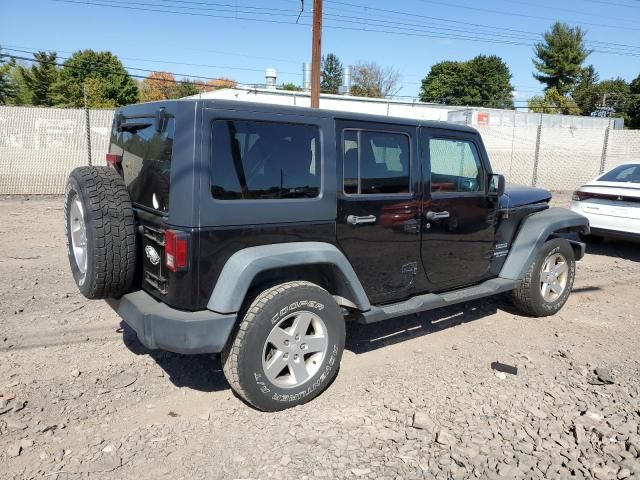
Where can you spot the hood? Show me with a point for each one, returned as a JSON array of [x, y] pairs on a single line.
[[518, 195]]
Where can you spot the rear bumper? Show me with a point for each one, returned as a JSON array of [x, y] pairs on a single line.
[[619, 226], [160, 326]]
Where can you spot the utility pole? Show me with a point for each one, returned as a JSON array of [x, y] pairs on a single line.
[[316, 53]]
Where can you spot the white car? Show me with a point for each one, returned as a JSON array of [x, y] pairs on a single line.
[[611, 202]]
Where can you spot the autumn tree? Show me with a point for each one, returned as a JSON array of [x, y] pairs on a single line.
[[158, 86], [220, 83], [371, 80]]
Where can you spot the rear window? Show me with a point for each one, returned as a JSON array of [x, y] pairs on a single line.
[[146, 160], [623, 173], [255, 160]]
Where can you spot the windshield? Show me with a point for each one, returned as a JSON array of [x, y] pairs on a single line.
[[623, 173]]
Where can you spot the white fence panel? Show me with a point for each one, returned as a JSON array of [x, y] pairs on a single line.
[[40, 146]]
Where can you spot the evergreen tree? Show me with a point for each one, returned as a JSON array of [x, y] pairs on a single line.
[[40, 78], [634, 107], [6, 85], [331, 75], [559, 57]]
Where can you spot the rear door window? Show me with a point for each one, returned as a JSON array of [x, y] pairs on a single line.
[[254, 160], [376, 162], [146, 160]]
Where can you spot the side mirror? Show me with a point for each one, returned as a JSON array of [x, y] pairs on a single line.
[[496, 185]]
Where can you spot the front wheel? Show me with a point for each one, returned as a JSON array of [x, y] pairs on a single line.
[[287, 348], [548, 282]]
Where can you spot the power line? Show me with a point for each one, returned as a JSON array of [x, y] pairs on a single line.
[[443, 101], [377, 27], [537, 35], [523, 15]]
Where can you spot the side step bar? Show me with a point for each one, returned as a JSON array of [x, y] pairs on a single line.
[[432, 301]]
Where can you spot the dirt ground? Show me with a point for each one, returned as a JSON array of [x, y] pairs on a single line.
[[415, 397]]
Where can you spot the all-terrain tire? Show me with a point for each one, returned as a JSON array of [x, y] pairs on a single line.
[[528, 297], [243, 358], [97, 198]]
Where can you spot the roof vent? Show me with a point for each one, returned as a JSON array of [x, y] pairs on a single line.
[[271, 77], [306, 76]]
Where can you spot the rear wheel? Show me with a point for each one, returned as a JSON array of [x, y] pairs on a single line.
[[548, 282], [100, 227], [288, 347]]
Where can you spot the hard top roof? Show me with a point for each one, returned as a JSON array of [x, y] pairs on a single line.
[[310, 112]]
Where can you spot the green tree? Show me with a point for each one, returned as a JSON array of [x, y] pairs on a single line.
[[482, 81], [372, 80], [116, 87], [553, 102], [584, 92], [18, 92], [331, 75], [292, 87], [40, 78], [187, 88], [6, 84], [559, 58], [634, 107]]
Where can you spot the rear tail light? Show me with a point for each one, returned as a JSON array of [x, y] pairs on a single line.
[[113, 159], [176, 247]]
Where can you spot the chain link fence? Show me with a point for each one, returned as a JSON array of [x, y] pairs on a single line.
[[40, 146]]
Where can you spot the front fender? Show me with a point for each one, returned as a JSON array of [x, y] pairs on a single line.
[[534, 231], [243, 266]]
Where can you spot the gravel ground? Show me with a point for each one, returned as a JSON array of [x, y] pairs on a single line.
[[415, 397]]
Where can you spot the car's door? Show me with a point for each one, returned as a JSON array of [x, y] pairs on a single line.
[[458, 215], [378, 206]]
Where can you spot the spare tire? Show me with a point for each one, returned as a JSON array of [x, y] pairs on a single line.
[[101, 235]]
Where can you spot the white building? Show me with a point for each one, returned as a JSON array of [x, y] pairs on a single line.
[[474, 116]]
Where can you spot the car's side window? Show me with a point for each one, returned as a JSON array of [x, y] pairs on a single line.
[[455, 166], [255, 160], [376, 162]]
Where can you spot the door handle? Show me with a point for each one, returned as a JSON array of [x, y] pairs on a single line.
[[355, 220], [437, 215]]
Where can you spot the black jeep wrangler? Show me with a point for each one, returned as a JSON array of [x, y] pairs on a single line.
[[256, 230]]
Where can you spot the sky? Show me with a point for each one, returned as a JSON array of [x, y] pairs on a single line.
[[238, 39]]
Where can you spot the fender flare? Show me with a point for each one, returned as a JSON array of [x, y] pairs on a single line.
[[534, 231], [243, 266]]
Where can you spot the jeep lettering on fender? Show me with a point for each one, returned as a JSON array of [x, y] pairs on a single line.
[[255, 231]]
